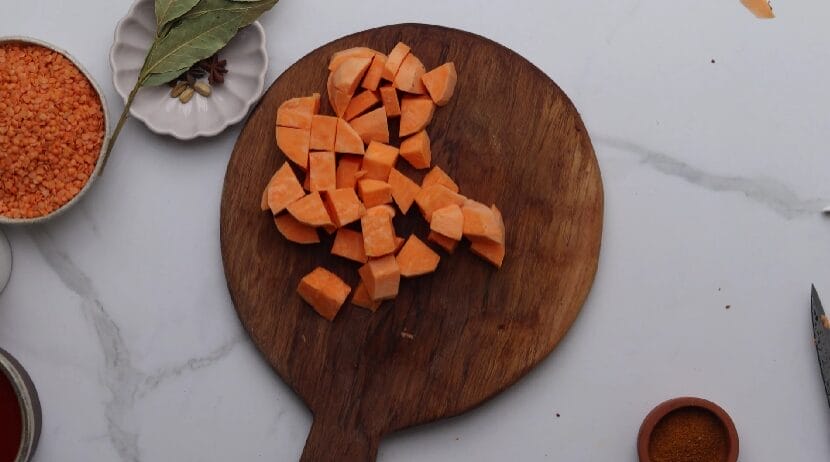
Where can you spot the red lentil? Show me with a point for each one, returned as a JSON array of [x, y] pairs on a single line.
[[51, 130]]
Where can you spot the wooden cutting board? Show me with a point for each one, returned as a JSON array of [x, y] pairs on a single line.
[[454, 338]]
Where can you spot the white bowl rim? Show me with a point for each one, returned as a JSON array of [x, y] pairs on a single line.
[[124, 92], [4, 220]]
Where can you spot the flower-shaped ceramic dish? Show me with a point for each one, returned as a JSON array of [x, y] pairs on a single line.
[[98, 164], [202, 116]]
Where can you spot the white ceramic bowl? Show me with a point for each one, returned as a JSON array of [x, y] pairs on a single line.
[[98, 164], [202, 116]]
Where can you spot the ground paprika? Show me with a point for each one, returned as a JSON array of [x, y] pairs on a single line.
[[689, 434]]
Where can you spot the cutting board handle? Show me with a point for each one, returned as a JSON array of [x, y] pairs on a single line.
[[331, 441]]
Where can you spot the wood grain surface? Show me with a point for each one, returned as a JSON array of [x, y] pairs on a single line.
[[511, 137]]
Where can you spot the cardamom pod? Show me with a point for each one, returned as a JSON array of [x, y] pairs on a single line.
[[178, 89], [186, 95], [202, 88]]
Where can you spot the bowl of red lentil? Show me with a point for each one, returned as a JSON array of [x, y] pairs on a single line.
[[54, 128]]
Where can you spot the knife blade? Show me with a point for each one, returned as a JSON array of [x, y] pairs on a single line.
[[821, 336]]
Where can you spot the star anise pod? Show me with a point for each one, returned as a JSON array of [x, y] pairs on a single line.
[[190, 76], [215, 68]]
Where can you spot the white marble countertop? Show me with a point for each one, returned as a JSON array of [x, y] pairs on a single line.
[[711, 128]]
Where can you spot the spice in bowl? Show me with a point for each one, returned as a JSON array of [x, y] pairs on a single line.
[[52, 128], [188, 83]]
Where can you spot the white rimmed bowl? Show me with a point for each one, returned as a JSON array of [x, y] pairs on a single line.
[[98, 164], [202, 116]]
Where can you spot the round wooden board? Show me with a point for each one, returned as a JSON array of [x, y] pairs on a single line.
[[509, 136]]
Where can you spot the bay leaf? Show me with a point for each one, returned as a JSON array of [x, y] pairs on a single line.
[[159, 79], [168, 10], [249, 10]]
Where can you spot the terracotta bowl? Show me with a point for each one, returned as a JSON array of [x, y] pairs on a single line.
[[663, 409]]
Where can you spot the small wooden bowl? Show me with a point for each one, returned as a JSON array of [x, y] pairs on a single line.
[[663, 409]]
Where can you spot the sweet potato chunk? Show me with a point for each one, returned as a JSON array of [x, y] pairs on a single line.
[[297, 112], [378, 232], [361, 103], [416, 150], [343, 206], [295, 231], [338, 99], [389, 97], [357, 52], [448, 221], [322, 171], [416, 114], [408, 78], [394, 61], [283, 189], [374, 192], [379, 160], [372, 79], [481, 223], [310, 210], [346, 170], [434, 197], [442, 241], [324, 291], [362, 299], [347, 140], [416, 258], [382, 277], [404, 190], [438, 176], [323, 132], [440, 83], [349, 244], [399, 242], [372, 126], [294, 143], [349, 73], [493, 252]]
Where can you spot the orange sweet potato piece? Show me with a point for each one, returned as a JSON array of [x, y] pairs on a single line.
[[294, 143], [310, 210], [306, 183], [394, 61], [361, 103], [323, 132], [347, 140], [416, 114], [387, 209], [440, 83], [448, 221], [322, 171], [324, 291], [359, 174], [493, 252], [438, 176], [399, 242], [442, 241], [416, 150], [343, 206], [389, 96], [372, 79], [282, 190], [760, 8], [349, 73], [357, 52], [382, 277], [379, 160], [297, 112], [404, 190], [295, 231], [378, 232], [481, 223], [372, 126], [416, 258], [374, 192], [362, 299], [408, 78], [349, 244], [346, 169], [436, 196], [338, 99]]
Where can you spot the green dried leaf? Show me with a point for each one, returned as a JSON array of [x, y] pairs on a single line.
[[160, 79], [249, 10], [168, 10]]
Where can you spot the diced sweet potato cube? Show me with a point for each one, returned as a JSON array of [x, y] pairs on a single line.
[[394, 61], [448, 221], [372, 126], [416, 114], [324, 291], [416, 258], [297, 112], [388, 209], [374, 192], [379, 160], [357, 52], [359, 174], [389, 96], [347, 140], [409, 75], [295, 231], [294, 143], [440, 83], [310, 210], [438, 176], [362, 299], [493, 252], [481, 223], [349, 73], [347, 167], [323, 132], [416, 150], [378, 232], [343, 206], [338, 99], [404, 190], [399, 242], [372, 79], [442, 241], [361, 103], [349, 244], [382, 277], [307, 183], [322, 171], [282, 189], [434, 197]]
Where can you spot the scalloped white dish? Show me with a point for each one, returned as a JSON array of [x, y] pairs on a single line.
[[202, 116]]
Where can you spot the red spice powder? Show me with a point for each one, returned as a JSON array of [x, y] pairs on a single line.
[[11, 421], [690, 434], [51, 130]]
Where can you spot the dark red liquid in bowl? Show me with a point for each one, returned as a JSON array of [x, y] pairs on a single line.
[[11, 421]]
